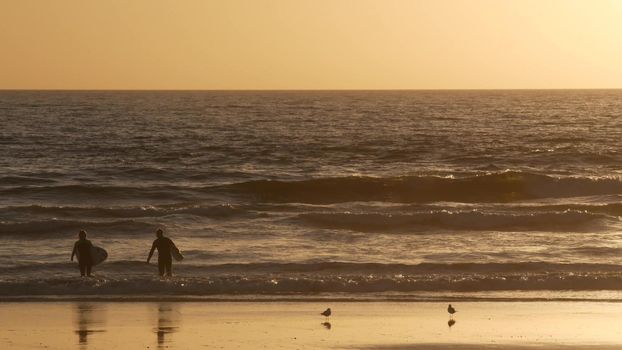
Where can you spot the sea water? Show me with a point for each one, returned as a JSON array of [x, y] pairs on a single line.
[[355, 193]]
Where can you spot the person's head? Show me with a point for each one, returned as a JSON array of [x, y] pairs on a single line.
[[159, 233], [82, 234]]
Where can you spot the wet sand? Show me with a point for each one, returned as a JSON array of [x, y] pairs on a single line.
[[298, 325]]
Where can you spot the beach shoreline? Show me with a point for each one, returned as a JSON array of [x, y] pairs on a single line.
[[527, 296], [377, 325]]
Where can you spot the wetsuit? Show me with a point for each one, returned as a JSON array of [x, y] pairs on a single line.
[[165, 261], [83, 250]]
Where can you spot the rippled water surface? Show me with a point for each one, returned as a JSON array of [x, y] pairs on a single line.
[[313, 192]]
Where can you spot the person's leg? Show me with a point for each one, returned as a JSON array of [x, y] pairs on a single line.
[[82, 268], [88, 269], [169, 268], [161, 265]]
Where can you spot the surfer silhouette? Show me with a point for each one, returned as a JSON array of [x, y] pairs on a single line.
[[165, 247], [82, 248]]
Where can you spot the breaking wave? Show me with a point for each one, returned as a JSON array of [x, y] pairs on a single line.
[[498, 187], [459, 220]]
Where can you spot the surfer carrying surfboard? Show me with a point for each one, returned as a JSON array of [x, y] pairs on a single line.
[[82, 248], [166, 248]]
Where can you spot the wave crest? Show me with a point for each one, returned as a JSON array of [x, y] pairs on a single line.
[[498, 187], [459, 220], [211, 211], [42, 229]]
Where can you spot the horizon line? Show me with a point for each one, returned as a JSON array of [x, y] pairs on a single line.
[[302, 90]]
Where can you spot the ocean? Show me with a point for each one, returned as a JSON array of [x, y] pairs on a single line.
[[360, 195]]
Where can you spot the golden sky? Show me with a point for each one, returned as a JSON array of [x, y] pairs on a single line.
[[310, 44]]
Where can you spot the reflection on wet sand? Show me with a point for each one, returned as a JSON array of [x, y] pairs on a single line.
[[168, 321], [327, 325], [88, 317]]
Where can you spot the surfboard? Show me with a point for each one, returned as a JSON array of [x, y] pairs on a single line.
[[98, 255], [177, 254]]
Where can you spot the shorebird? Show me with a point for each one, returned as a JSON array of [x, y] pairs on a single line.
[[451, 310], [326, 313]]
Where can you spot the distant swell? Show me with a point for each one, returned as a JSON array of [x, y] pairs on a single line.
[[23, 180], [211, 211], [45, 228], [458, 220], [498, 187], [95, 192]]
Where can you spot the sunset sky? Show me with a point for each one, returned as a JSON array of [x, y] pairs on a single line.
[[310, 44]]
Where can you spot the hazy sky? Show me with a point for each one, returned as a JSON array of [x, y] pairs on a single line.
[[310, 44]]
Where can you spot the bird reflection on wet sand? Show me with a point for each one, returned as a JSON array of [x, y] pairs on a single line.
[[167, 323], [87, 317], [327, 325], [451, 322]]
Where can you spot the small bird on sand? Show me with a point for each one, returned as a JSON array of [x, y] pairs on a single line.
[[451, 310], [326, 313]]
